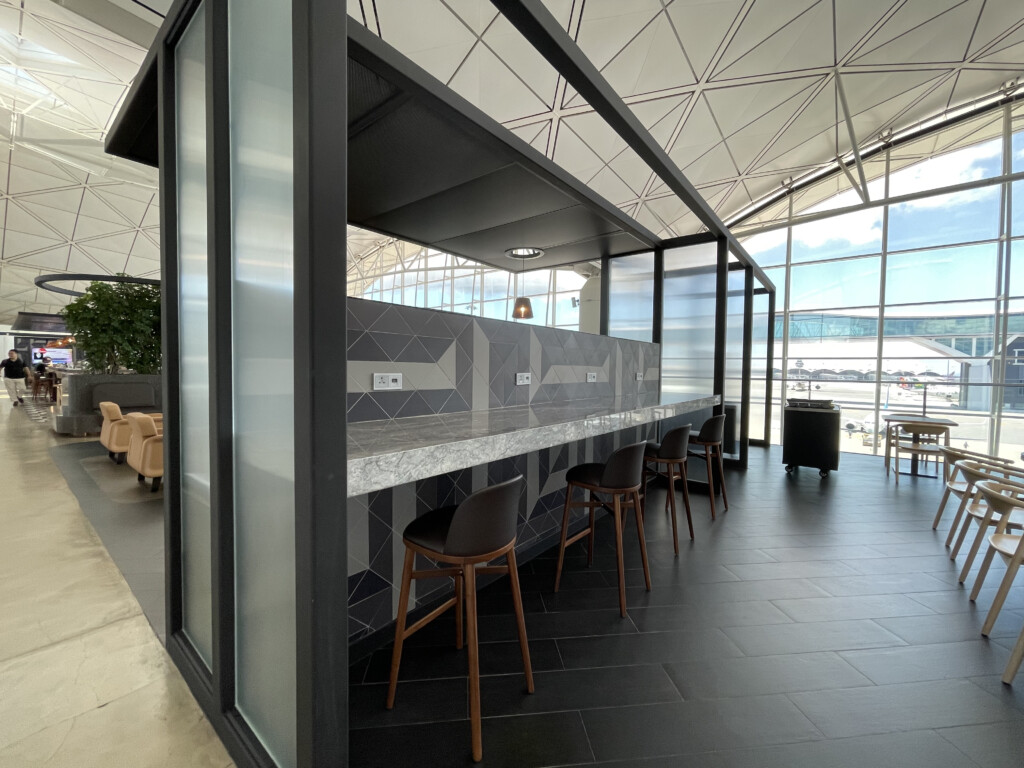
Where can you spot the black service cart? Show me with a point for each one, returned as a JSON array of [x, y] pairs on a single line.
[[810, 436]]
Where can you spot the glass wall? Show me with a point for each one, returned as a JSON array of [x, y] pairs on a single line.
[[901, 305], [403, 273], [688, 337], [631, 297], [193, 331], [260, 69]]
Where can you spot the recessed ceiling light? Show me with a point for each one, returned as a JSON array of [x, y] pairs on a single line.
[[524, 252]]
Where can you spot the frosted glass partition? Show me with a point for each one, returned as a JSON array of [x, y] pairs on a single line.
[[733, 396], [260, 69], [631, 297], [194, 382], [688, 327]]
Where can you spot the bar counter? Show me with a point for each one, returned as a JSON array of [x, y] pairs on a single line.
[[387, 453]]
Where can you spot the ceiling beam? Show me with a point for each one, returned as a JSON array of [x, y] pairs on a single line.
[[862, 190], [543, 32]]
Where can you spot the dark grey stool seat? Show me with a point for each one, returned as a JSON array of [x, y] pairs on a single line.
[[620, 478], [672, 453], [468, 536]]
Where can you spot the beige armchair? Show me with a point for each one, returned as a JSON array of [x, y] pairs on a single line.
[[146, 449], [115, 432]]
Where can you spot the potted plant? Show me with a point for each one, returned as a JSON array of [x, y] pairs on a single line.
[[117, 327]]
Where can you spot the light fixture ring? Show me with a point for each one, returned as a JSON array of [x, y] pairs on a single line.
[[524, 252]]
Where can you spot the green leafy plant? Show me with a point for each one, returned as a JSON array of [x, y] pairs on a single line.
[[117, 325]]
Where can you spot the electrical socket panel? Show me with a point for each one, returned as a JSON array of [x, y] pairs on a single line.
[[387, 381], [523, 378], [591, 377], [639, 376]]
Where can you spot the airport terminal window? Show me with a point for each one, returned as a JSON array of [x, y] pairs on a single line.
[[934, 289]]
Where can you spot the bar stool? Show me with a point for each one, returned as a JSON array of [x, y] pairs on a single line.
[[710, 438], [672, 453], [468, 536], [620, 477]]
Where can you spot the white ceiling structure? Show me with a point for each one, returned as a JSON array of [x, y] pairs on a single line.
[[741, 94]]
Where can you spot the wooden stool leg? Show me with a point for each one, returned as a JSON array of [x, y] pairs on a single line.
[[517, 600], [686, 497], [968, 494], [590, 538], [982, 572], [469, 576], [711, 479], [565, 534], [643, 542], [942, 507], [1015, 659], [672, 503], [617, 521], [983, 527], [721, 472], [458, 611], [403, 607]]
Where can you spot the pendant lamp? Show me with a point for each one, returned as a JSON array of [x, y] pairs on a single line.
[[523, 308]]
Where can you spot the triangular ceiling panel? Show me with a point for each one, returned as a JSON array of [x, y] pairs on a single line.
[[715, 165], [996, 21], [1011, 54], [111, 263], [761, 22], [518, 55], [652, 61], [699, 134], [854, 19], [402, 25], [803, 43], [535, 134], [812, 133], [484, 80], [953, 24], [701, 26], [50, 259], [873, 105], [660, 116], [20, 219]]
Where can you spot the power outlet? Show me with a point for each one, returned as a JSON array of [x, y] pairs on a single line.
[[387, 381], [591, 377], [522, 378], [639, 376]]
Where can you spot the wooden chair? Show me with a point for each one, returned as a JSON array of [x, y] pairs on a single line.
[[710, 437], [619, 478], [956, 486], [467, 537], [1008, 546], [971, 472], [672, 453], [923, 442], [983, 513]]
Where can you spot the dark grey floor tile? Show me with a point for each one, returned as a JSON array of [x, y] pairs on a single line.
[[604, 621], [577, 689], [755, 676], [695, 726], [693, 616], [926, 564], [940, 661], [517, 742], [848, 608], [702, 760], [416, 701], [880, 584], [991, 746], [772, 589], [429, 662], [950, 627], [903, 707], [822, 552], [916, 749], [645, 648], [777, 639], [793, 570]]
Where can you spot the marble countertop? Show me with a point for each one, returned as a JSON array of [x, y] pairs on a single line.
[[383, 454]]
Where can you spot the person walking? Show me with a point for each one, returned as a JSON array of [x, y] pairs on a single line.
[[14, 369]]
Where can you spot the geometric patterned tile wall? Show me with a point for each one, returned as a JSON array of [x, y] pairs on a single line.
[[452, 362], [376, 521]]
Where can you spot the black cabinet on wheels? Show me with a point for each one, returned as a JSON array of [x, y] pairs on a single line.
[[810, 438]]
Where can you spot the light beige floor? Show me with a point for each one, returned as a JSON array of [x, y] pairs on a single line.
[[83, 679]]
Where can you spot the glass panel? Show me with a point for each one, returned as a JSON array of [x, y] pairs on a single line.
[[190, 135], [1017, 220], [959, 217], [1015, 248], [947, 274], [630, 304], [263, 384], [981, 161], [852, 283], [767, 249], [1018, 142], [778, 278], [851, 234], [733, 395], [688, 336], [758, 366]]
